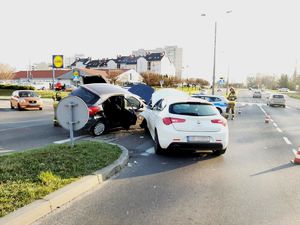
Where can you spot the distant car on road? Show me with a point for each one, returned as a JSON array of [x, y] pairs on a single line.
[[220, 102], [283, 89], [178, 121], [25, 99], [256, 94], [276, 99]]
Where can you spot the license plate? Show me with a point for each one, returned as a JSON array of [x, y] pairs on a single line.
[[198, 139], [33, 104]]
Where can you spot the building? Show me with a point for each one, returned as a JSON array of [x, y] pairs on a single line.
[[130, 76], [37, 78], [174, 53], [151, 62]]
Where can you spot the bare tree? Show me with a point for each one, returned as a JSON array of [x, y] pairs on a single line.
[[6, 72]]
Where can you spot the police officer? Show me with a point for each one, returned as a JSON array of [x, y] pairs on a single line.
[[56, 98], [231, 97]]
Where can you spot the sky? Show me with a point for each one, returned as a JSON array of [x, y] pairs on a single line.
[[259, 36]]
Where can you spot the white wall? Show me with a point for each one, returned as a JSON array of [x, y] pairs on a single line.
[[111, 64], [167, 67], [141, 65]]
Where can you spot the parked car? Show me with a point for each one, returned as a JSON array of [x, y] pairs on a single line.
[[25, 99], [256, 94], [283, 89], [180, 121], [110, 106], [220, 102], [276, 99]]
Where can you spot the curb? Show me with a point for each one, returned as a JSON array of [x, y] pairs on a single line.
[[35, 210]]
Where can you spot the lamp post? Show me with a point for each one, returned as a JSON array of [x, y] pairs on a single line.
[[215, 50]]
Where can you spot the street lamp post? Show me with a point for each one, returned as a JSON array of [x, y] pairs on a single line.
[[215, 51]]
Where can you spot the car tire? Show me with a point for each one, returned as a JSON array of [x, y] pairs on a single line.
[[144, 126], [157, 148], [40, 108], [219, 152], [99, 128], [19, 107], [11, 106], [283, 106]]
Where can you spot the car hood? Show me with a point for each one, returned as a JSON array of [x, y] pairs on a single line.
[[142, 90]]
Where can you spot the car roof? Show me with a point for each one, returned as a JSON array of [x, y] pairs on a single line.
[[166, 93], [217, 96]]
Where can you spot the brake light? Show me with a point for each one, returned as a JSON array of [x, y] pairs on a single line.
[[220, 121], [93, 110], [170, 120]]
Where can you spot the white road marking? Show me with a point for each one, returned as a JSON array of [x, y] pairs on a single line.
[[275, 125], [271, 120], [68, 140], [288, 107], [287, 140], [279, 130], [148, 152]]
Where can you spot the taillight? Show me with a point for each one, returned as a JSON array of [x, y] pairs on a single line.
[[220, 121], [93, 110], [170, 120]]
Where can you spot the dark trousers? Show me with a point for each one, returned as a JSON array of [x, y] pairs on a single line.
[[230, 109]]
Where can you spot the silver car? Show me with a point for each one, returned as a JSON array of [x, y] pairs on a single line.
[[276, 99]]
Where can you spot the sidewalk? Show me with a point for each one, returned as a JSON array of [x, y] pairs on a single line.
[[292, 102]]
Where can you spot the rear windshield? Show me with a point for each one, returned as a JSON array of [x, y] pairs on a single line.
[[88, 97], [193, 109], [24, 94], [278, 96]]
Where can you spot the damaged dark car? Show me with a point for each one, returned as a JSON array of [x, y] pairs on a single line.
[[110, 106]]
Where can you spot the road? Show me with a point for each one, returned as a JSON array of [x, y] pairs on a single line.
[[252, 183], [21, 130]]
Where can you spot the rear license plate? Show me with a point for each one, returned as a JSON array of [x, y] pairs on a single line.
[[198, 139]]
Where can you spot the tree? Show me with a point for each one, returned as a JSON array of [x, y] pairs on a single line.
[[6, 72], [283, 81]]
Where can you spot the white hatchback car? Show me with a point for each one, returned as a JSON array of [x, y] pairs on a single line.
[[182, 122]]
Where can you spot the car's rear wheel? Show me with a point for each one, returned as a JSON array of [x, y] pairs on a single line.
[[99, 128], [19, 107], [219, 152], [40, 108], [11, 106], [158, 149]]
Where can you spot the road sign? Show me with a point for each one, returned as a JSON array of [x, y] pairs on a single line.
[[58, 61], [76, 74], [72, 114]]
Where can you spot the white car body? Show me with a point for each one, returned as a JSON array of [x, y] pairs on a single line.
[[172, 130]]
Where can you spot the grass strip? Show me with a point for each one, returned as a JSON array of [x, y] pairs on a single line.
[[32, 174]]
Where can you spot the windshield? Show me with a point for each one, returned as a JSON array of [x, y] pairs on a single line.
[[193, 109], [278, 96], [88, 97], [24, 94]]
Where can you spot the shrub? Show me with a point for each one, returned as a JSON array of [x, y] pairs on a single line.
[[15, 87]]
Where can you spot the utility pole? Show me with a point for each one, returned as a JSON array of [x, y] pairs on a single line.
[[214, 67]]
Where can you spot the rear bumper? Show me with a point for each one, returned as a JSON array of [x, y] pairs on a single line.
[[196, 146]]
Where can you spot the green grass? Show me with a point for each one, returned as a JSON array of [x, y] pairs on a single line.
[[294, 95], [6, 92], [30, 175]]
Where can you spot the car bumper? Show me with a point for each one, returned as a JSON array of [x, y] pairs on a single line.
[[218, 140]]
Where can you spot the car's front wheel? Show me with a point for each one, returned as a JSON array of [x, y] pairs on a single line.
[[158, 149], [219, 152], [99, 128]]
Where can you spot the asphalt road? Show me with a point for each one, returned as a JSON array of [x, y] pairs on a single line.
[[252, 183], [20, 130]]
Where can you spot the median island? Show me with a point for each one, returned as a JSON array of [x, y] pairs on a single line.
[[30, 175]]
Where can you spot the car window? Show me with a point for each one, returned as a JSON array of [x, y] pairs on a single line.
[[24, 94], [133, 102], [158, 105], [193, 109], [278, 96], [87, 96]]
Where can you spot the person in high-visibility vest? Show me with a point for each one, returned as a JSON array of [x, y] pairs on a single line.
[[231, 97], [56, 98]]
